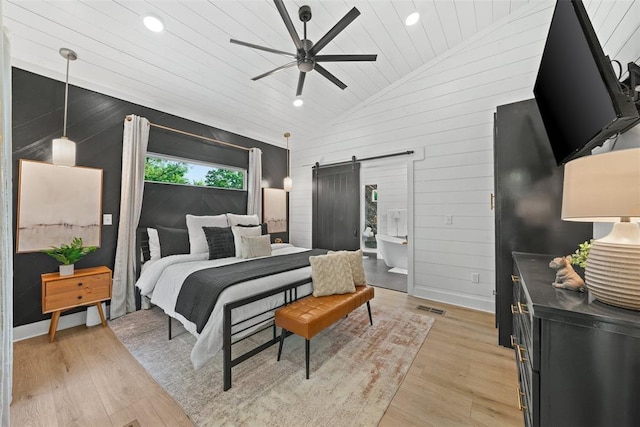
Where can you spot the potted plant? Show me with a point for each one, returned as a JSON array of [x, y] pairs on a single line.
[[68, 254], [579, 257]]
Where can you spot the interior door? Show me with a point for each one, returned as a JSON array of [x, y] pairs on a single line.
[[336, 207]]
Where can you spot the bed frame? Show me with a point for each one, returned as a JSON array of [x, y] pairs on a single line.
[[290, 292]]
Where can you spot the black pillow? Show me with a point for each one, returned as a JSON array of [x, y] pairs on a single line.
[[173, 241], [263, 227], [220, 241]]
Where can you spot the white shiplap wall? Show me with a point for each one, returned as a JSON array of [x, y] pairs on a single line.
[[445, 109]]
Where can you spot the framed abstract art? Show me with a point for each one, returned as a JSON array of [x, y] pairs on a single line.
[[56, 204]]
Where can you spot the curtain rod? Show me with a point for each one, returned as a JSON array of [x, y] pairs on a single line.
[[354, 159], [193, 135]]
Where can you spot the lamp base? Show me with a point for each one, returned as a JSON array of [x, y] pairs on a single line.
[[612, 274]]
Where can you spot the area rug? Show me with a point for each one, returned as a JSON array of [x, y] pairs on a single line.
[[355, 371]]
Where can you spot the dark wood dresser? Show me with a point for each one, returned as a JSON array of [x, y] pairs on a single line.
[[578, 359]]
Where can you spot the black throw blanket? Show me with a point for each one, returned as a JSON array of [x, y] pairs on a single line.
[[201, 289]]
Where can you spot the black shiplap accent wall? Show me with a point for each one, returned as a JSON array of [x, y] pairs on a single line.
[[95, 123]]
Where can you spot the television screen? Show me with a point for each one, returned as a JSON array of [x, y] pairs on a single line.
[[579, 98]]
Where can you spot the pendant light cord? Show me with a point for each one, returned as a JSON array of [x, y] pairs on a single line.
[[66, 96]]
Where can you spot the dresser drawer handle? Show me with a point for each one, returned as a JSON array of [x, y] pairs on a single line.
[[514, 309], [513, 341], [514, 278], [79, 284], [79, 296], [522, 308], [521, 407], [520, 349]]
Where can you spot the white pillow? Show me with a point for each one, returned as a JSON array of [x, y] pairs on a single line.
[[197, 239], [253, 247], [154, 244], [242, 219], [238, 232]]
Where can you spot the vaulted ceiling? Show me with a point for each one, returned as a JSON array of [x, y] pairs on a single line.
[[192, 70]]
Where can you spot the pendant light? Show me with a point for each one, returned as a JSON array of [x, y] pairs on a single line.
[[288, 183], [63, 149]]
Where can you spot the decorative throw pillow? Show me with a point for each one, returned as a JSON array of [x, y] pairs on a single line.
[[235, 219], [173, 241], [331, 274], [220, 242], [253, 247], [197, 239], [357, 268], [238, 232], [154, 244], [263, 227]]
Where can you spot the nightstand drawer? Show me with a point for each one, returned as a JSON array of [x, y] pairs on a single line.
[[77, 296], [73, 284]]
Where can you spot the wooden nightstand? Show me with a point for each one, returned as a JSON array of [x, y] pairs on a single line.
[[87, 286]]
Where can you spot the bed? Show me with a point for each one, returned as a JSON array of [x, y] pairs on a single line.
[[241, 309]]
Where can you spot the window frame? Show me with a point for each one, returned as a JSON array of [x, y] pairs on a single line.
[[198, 163]]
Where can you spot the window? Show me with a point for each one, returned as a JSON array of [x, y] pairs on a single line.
[[174, 170]]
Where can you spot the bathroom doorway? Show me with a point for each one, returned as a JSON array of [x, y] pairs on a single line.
[[384, 222]]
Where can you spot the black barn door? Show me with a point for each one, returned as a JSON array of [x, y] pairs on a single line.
[[336, 207]]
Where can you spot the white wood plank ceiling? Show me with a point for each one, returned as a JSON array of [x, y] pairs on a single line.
[[193, 71]]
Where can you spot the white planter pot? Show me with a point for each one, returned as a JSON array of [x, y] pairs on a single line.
[[66, 270]]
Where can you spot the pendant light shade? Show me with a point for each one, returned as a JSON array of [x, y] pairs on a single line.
[[63, 150], [288, 182]]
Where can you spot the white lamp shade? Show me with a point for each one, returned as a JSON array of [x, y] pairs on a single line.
[[602, 187], [288, 184], [63, 152]]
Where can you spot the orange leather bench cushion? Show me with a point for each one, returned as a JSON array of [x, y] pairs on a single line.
[[308, 316]]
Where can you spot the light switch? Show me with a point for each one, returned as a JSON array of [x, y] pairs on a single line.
[[107, 219]]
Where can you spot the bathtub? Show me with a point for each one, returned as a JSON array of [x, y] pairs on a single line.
[[392, 251]]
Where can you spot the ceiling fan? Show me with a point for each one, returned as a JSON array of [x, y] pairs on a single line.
[[306, 56]]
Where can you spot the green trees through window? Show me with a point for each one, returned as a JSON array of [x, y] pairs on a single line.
[[178, 171]]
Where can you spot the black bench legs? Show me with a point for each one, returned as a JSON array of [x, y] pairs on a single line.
[[283, 335]]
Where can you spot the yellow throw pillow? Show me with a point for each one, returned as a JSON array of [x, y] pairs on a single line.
[[357, 268], [331, 275]]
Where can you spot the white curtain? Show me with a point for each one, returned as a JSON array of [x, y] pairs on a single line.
[[254, 201], [134, 153], [6, 236]]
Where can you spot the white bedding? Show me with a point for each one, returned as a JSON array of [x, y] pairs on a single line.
[[162, 279]]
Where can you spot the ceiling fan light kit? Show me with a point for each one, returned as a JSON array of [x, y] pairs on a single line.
[[306, 57]]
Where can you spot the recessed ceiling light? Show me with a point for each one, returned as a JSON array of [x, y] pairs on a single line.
[[412, 19], [298, 102], [153, 23]]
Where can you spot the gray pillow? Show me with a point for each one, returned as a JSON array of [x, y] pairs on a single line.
[[220, 242], [253, 247], [173, 241]]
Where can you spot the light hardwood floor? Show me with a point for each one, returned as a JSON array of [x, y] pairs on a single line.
[[460, 377]]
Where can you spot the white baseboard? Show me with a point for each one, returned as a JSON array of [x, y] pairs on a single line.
[[31, 330], [475, 302]]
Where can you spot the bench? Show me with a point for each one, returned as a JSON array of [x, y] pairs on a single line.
[[309, 316]]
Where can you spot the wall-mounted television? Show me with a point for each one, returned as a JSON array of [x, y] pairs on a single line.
[[579, 97]]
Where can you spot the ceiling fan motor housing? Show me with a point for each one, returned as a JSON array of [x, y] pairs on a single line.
[[304, 13]]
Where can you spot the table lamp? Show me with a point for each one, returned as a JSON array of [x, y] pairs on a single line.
[[606, 188]]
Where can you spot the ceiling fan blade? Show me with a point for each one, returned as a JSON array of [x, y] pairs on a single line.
[[275, 70], [300, 83], [287, 22], [338, 58], [319, 68], [341, 25], [266, 49]]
